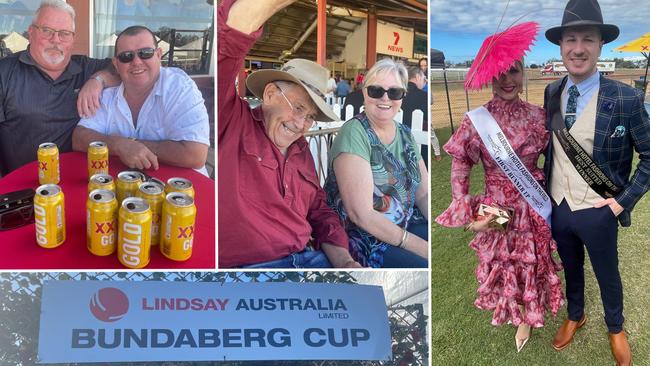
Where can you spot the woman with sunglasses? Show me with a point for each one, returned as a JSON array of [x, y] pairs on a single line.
[[377, 180], [516, 271]]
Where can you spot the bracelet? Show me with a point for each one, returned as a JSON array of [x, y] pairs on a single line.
[[405, 235], [101, 80]]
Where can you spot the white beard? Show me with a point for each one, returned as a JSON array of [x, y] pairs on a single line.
[[53, 59]]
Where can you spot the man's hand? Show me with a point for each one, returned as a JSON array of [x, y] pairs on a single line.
[[134, 154], [88, 99], [613, 205]]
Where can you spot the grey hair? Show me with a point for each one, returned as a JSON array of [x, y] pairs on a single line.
[[387, 65], [59, 5], [414, 71]]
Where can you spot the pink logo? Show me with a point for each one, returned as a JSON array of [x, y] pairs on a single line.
[[109, 304]]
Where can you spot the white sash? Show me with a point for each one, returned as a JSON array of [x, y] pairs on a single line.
[[500, 150]]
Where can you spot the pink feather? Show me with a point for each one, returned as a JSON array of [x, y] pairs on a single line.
[[498, 53]]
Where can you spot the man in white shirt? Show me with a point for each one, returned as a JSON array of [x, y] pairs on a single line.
[[155, 115]]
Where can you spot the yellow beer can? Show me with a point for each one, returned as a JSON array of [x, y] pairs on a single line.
[[101, 181], [178, 184], [179, 216], [134, 235], [154, 194], [127, 184], [97, 158], [48, 163], [101, 222], [49, 216]]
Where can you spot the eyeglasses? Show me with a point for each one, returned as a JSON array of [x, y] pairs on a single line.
[[143, 53], [48, 33], [299, 112], [16, 209], [376, 92]]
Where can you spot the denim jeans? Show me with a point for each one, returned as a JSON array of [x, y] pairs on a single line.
[[304, 259], [395, 257]]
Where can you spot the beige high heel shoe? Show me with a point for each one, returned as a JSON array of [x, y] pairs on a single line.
[[523, 333]]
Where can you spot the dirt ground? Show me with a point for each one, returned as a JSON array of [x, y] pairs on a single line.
[[459, 100]]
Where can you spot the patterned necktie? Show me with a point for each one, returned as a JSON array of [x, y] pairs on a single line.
[[571, 106]]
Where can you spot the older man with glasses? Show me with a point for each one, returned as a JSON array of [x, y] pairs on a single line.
[[40, 97], [271, 205], [156, 114]]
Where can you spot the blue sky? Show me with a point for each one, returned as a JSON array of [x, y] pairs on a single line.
[[458, 27]]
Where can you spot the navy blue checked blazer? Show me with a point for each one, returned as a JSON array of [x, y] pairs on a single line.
[[618, 105]]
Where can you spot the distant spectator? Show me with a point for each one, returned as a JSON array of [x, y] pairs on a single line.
[[415, 99], [342, 88]]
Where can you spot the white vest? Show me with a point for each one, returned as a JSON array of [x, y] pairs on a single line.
[[566, 182]]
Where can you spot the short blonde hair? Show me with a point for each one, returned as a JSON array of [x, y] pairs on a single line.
[[387, 65], [59, 5]]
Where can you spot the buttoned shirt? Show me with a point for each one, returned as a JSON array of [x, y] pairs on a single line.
[[586, 88], [269, 204], [174, 110], [35, 109]]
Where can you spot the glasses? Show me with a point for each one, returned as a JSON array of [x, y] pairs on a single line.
[[299, 112], [143, 53], [377, 92], [16, 209], [48, 33]]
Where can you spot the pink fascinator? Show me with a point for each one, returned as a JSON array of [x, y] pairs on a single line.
[[498, 52]]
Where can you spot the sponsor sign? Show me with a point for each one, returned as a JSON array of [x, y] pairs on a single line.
[[395, 41], [104, 321]]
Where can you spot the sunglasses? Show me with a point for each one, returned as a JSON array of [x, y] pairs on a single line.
[[16, 209], [377, 92], [143, 53]]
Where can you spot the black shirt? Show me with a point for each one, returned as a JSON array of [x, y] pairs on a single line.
[[35, 109], [416, 99]]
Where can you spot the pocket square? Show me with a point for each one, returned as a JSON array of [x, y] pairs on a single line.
[[619, 131]]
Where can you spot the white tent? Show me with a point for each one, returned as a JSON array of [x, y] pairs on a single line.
[[15, 42]]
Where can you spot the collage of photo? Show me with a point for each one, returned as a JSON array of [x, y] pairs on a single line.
[[324, 182]]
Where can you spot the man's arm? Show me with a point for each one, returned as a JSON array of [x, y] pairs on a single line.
[[186, 154], [88, 101], [339, 257], [133, 154]]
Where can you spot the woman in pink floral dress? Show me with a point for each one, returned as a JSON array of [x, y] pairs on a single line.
[[516, 273]]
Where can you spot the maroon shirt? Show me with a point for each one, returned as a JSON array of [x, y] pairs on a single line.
[[269, 204]]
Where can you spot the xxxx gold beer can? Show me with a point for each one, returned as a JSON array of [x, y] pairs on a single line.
[[154, 194], [179, 216], [177, 184], [127, 184], [101, 181], [49, 216], [134, 235], [48, 164], [97, 158], [101, 222]]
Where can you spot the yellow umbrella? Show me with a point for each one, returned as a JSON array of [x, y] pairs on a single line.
[[641, 44]]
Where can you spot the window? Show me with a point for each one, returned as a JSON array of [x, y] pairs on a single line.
[[15, 18]]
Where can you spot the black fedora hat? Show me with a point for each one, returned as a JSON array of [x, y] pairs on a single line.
[[583, 13]]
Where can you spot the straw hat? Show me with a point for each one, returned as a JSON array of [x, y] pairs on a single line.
[[309, 75], [583, 13]]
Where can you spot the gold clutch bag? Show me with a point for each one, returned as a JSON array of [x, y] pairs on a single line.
[[502, 216]]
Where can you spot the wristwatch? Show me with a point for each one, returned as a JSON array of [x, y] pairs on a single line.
[[101, 80]]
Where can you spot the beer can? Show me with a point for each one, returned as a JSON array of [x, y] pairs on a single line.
[[48, 164], [177, 184], [127, 184], [49, 216], [101, 222], [134, 234], [179, 216], [154, 194], [97, 158], [101, 181]]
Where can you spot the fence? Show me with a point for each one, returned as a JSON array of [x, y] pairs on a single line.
[[21, 297]]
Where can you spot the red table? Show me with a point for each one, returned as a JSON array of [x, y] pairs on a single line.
[[19, 248]]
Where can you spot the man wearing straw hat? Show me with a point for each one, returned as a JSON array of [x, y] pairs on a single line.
[[271, 205], [596, 125]]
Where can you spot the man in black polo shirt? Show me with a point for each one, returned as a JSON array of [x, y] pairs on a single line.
[[416, 98], [39, 88]]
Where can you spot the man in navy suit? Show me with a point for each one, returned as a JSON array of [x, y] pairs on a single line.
[[596, 125]]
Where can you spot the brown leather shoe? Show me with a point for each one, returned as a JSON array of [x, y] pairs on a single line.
[[565, 334], [620, 349]]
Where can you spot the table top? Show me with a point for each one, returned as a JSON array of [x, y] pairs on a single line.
[[19, 247]]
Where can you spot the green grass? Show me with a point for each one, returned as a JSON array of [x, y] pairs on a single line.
[[462, 334]]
